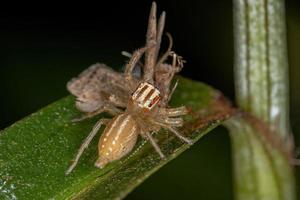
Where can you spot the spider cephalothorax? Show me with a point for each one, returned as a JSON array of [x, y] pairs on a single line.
[[139, 104], [144, 99]]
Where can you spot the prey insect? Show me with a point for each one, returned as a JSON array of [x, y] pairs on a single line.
[[139, 103]]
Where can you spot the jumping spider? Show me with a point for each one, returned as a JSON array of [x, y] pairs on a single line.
[[139, 103]]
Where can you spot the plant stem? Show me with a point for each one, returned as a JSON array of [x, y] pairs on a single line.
[[261, 67], [262, 169]]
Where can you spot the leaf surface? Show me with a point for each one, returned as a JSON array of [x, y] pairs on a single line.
[[36, 151]]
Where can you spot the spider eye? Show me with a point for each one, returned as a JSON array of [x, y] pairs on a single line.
[[146, 96]]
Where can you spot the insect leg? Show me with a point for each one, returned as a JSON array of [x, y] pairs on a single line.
[[132, 63], [86, 143], [167, 53], [113, 110], [160, 29], [172, 91], [129, 55], [177, 62], [150, 54], [155, 145]]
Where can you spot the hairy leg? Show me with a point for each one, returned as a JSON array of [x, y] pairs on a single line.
[[177, 61], [109, 109], [177, 134], [132, 63], [86, 143], [150, 54], [160, 29], [184, 139], [154, 144], [137, 71], [174, 112], [176, 122], [164, 57], [169, 96], [129, 55]]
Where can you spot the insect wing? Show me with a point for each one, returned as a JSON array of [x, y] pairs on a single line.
[[92, 77], [96, 84]]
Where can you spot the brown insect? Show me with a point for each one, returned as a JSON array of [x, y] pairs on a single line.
[[139, 103]]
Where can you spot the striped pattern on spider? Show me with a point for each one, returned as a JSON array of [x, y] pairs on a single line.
[[138, 102]]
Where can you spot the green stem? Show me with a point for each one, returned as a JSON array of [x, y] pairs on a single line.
[[261, 67], [261, 164], [260, 170]]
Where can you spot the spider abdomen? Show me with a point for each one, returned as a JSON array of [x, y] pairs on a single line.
[[117, 140]]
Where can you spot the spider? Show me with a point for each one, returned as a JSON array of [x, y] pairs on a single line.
[[139, 103]]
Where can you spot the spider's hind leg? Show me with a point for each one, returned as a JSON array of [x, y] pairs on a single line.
[[173, 130], [180, 136], [86, 143], [154, 144]]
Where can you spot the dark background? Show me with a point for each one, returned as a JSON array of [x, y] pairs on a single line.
[[42, 47]]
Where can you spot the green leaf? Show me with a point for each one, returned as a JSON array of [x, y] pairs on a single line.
[[36, 151]]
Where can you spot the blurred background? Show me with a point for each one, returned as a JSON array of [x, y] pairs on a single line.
[[41, 49]]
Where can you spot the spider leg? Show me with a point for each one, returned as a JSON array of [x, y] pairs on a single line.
[[155, 145], [171, 116], [174, 112], [184, 139], [177, 122], [86, 143], [177, 134], [109, 109], [151, 38]]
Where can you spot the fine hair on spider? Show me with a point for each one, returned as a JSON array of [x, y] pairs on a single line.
[[139, 105]]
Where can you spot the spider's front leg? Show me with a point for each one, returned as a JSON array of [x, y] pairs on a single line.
[[174, 122], [174, 112], [86, 143]]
